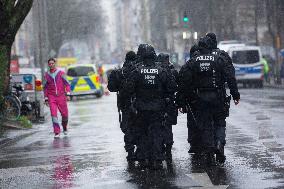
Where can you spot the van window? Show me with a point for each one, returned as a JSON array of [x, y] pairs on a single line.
[[80, 71], [245, 57]]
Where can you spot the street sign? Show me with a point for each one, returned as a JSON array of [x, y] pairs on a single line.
[[174, 58]]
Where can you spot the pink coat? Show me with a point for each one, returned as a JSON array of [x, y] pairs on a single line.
[[55, 84]]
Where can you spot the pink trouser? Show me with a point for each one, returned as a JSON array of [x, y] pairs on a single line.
[[58, 103]]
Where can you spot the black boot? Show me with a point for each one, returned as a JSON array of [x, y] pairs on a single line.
[[168, 152], [210, 159], [194, 150], [220, 156], [131, 156], [156, 165], [143, 164]]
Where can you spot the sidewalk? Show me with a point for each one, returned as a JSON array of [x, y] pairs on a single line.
[[273, 85], [12, 133]]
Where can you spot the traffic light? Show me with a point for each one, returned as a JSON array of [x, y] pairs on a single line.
[[185, 18]]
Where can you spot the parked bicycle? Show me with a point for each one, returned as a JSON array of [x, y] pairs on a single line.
[[15, 104], [10, 107], [25, 104]]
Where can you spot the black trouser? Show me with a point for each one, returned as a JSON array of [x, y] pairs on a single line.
[[150, 138], [219, 121], [169, 122], [193, 132], [210, 125], [168, 134], [128, 130]]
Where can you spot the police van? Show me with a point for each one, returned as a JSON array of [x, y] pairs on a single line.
[[248, 66], [84, 80]]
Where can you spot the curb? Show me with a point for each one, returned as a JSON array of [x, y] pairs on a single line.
[[13, 126], [7, 141], [274, 86]]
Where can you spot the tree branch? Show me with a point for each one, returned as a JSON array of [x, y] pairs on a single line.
[[19, 14], [8, 6]]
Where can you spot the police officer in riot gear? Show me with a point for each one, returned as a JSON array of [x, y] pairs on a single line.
[[149, 83], [141, 50], [194, 50], [186, 106], [171, 109], [115, 80], [220, 129], [203, 83], [164, 60]]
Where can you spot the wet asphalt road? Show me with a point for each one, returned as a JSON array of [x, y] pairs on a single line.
[[92, 155]]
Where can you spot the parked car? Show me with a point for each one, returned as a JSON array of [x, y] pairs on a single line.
[[84, 80]]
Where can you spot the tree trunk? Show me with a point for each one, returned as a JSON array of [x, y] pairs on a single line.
[[5, 57]]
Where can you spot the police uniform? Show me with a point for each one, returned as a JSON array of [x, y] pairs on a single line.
[[220, 133], [115, 80], [171, 109], [183, 102], [206, 76], [220, 124], [150, 82]]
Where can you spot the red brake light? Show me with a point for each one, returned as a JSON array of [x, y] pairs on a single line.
[[97, 79], [38, 83]]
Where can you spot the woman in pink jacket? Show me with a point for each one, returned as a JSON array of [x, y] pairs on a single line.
[[56, 89]]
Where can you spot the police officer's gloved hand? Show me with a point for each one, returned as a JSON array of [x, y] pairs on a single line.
[[236, 98], [183, 110], [237, 101]]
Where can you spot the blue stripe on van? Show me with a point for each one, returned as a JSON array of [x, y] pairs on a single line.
[[90, 83], [248, 70], [74, 83]]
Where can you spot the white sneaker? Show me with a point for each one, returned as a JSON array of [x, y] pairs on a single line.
[[65, 133], [56, 136]]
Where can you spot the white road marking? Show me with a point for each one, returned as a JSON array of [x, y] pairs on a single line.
[[281, 156], [272, 144], [211, 187], [204, 181], [264, 133]]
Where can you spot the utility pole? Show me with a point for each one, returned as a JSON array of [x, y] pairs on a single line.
[[256, 14], [42, 34]]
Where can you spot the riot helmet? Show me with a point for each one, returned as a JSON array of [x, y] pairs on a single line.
[[194, 49], [163, 58], [204, 44], [130, 56], [213, 37], [141, 50], [149, 52]]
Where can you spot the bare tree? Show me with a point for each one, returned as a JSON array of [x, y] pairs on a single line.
[[74, 20], [12, 15]]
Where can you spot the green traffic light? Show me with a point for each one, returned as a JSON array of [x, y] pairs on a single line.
[[185, 19]]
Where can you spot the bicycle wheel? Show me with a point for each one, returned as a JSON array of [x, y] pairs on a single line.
[[12, 109]]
